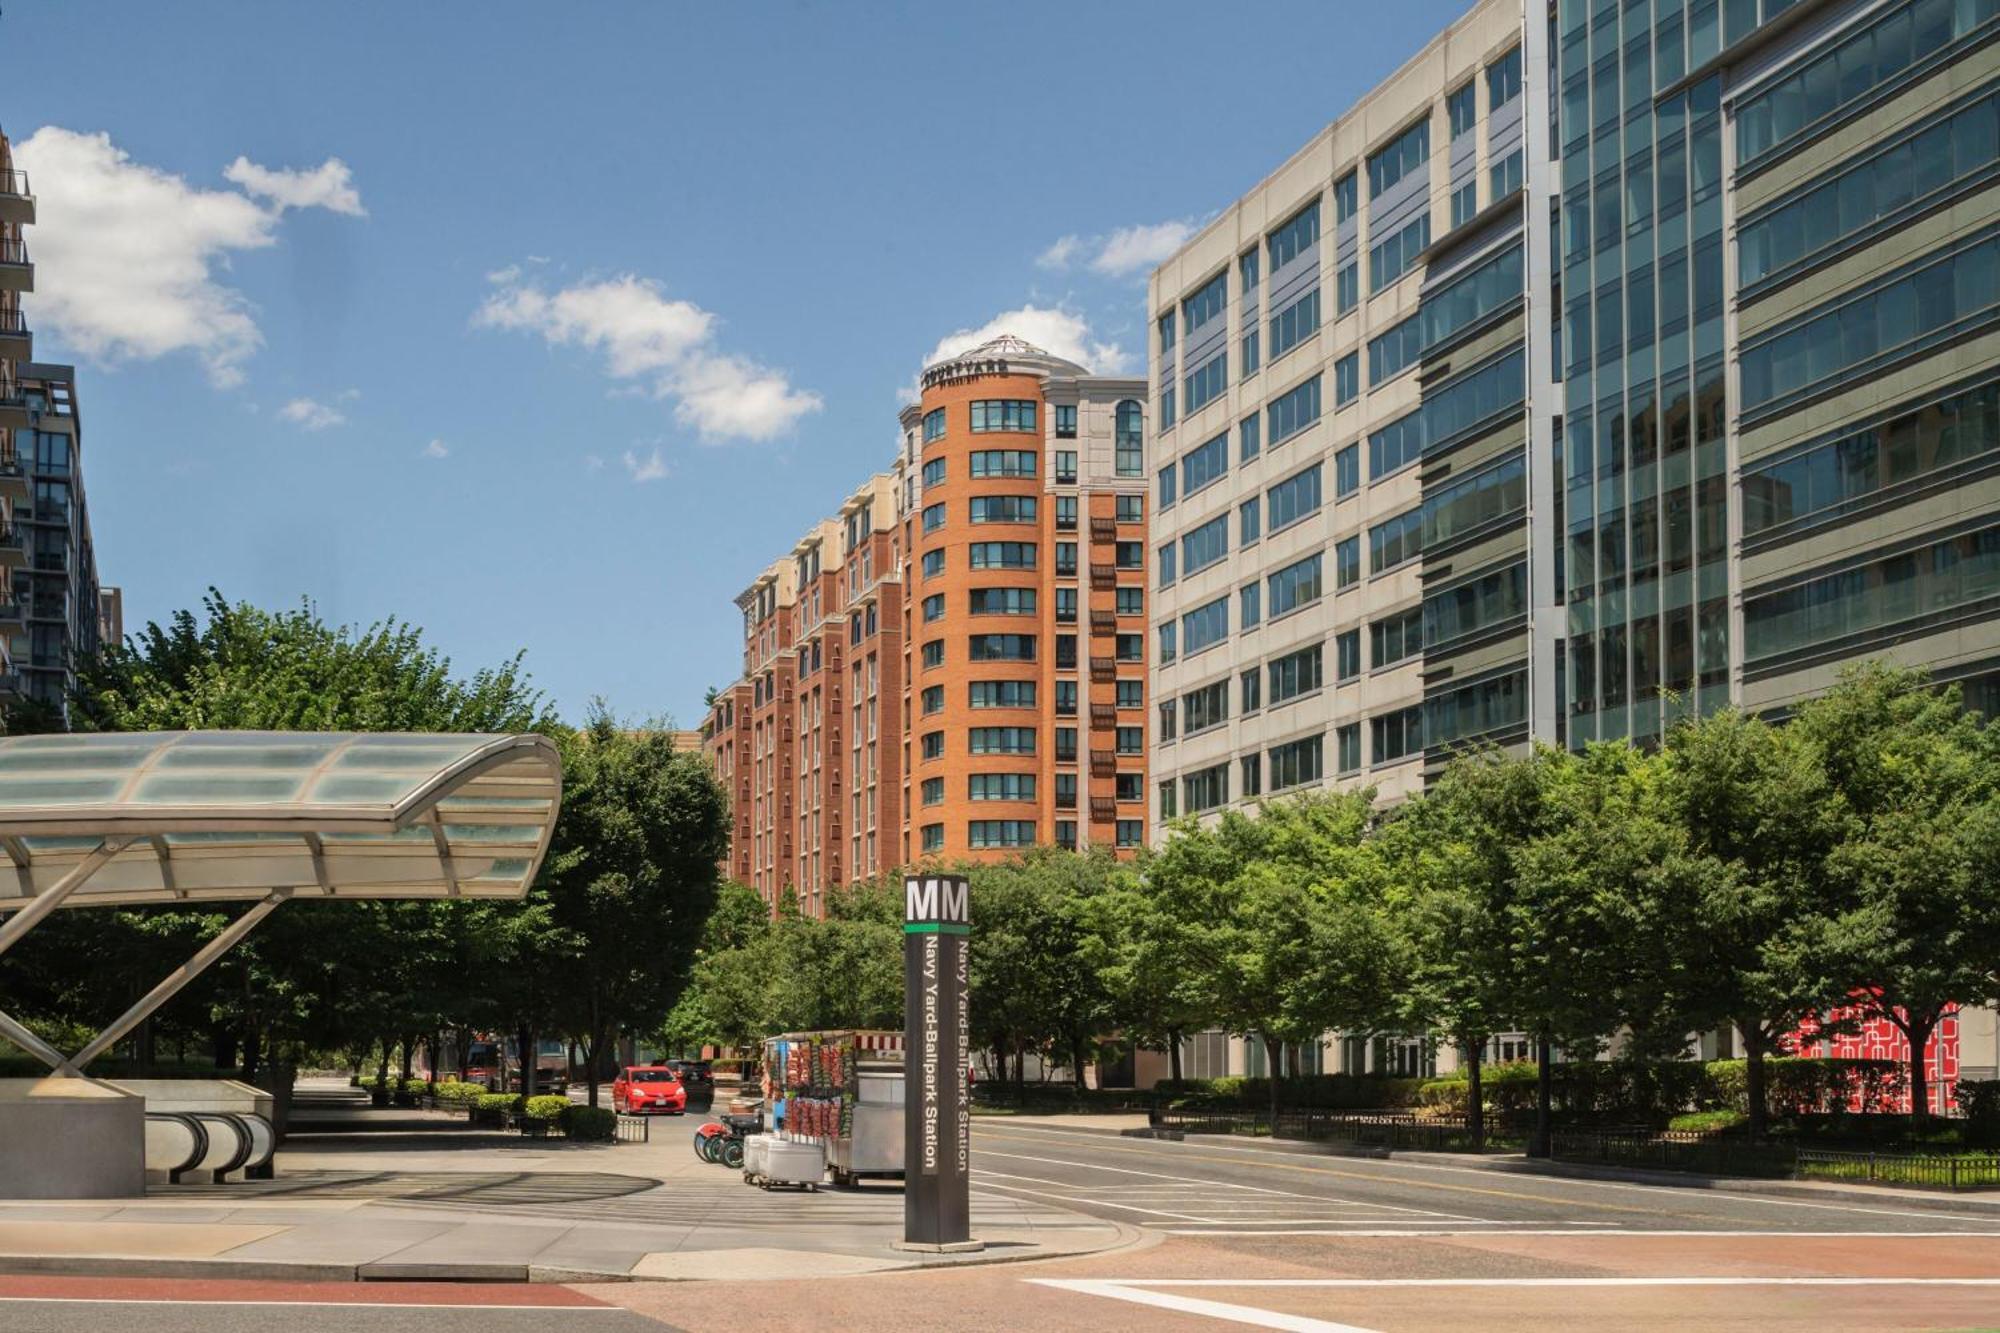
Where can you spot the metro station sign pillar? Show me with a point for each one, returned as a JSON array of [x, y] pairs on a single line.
[[937, 1042]]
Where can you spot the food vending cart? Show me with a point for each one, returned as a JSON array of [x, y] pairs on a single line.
[[834, 1101]]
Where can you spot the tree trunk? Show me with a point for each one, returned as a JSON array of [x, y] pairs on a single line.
[[531, 1063], [590, 1050], [462, 1050], [1475, 1094], [382, 1068], [1758, 1100], [1543, 1143], [1077, 1042], [1174, 1057], [1274, 1052], [1918, 1031], [409, 1060], [1020, 1069]]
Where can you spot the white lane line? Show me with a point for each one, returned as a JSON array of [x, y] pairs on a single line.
[[1227, 1228], [1367, 1282], [1728, 1196], [1235, 1314], [1078, 1198], [1194, 1182], [299, 1305]]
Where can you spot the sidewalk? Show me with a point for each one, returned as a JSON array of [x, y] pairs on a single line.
[[467, 1205]]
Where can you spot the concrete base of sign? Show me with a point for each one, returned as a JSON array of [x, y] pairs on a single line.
[[947, 1247], [71, 1138]]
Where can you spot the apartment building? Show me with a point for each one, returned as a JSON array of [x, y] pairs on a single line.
[[953, 664], [1688, 400], [1023, 492], [17, 275]]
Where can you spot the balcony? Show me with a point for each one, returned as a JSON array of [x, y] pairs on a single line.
[[17, 274], [1103, 716], [1103, 529], [13, 548], [13, 479], [1103, 577], [14, 612], [1103, 810], [1103, 763], [17, 342], [17, 202], [13, 405], [1103, 622], [1103, 669]]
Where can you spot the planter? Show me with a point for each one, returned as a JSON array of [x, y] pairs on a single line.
[[535, 1128]]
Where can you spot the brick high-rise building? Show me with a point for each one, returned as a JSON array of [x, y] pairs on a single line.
[[953, 665]]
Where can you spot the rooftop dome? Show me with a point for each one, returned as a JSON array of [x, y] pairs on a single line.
[[1016, 354]]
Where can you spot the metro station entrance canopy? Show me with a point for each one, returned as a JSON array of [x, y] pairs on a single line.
[[186, 818]]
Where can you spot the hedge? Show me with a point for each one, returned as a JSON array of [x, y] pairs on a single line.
[[454, 1093], [1654, 1092], [497, 1101], [549, 1107], [1318, 1092], [588, 1124], [1980, 1100]]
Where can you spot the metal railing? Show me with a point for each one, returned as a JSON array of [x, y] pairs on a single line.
[[1393, 1130], [1673, 1150], [1939, 1172], [13, 321], [13, 251], [14, 181], [634, 1129]]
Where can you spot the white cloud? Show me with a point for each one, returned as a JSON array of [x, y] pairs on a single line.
[[593, 463], [1130, 249], [330, 185], [1063, 333], [1058, 255], [310, 414], [667, 345], [437, 449], [129, 254], [650, 468]]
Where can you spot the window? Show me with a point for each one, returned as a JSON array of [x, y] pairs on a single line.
[[933, 745], [1001, 740], [1247, 270], [934, 473], [1131, 694], [1206, 707], [1066, 834], [1346, 379], [1065, 698], [1002, 693], [1131, 832], [1294, 410], [1294, 674], [1294, 498], [1131, 508], [1205, 789], [1066, 467], [1205, 625], [1475, 604], [1131, 740], [1452, 409], [1346, 198], [934, 516], [1249, 437], [1870, 597], [1347, 287], [1130, 555], [1130, 647], [1002, 463], [1506, 175], [1503, 79], [1473, 710], [1166, 327], [1003, 647], [1065, 606], [1251, 773], [1065, 745], [933, 837], [1129, 437], [933, 424], [1462, 109], [1398, 734], [1205, 464], [1066, 559], [1252, 354], [1347, 742], [1166, 560], [1460, 305], [1250, 690], [1250, 611], [1390, 259], [933, 607], [1003, 601], [1464, 203], [1205, 304], [1167, 732], [933, 564], [1000, 833], [933, 654], [1167, 803], [1347, 655], [1003, 509], [933, 699], [1206, 544], [1167, 641], [1000, 787], [1248, 522], [1002, 555], [933, 791], [1347, 471], [1295, 585], [1392, 542], [1295, 763], [1206, 382], [1065, 652], [1065, 513], [1169, 486], [1065, 421], [1347, 562], [1294, 324], [1393, 352], [992, 414], [1410, 150], [1298, 235], [1393, 638], [1467, 505]]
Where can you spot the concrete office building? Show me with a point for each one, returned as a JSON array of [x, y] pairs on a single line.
[[952, 666], [1693, 406]]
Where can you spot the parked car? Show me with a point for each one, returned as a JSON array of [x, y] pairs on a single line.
[[693, 1073], [648, 1090]]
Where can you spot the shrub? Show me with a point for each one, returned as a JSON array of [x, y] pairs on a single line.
[[1980, 1100], [1797, 1085], [1317, 1092], [1707, 1122], [497, 1101], [588, 1124], [416, 1087], [548, 1107], [454, 1093]]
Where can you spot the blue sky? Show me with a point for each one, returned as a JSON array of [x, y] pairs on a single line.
[[546, 327]]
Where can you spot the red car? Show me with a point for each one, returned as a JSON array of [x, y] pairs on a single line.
[[648, 1090]]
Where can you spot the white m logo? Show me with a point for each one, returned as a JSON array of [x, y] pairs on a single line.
[[936, 900]]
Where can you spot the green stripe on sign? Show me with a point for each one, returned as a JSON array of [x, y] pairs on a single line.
[[934, 928]]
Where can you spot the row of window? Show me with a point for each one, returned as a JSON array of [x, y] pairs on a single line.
[[1003, 414], [1391, 258], [1022, 555], [1448, 411], [1477, 500], [1294, 324], [1938, 578], [1862, 192], [1207, 303], [1397, 159]]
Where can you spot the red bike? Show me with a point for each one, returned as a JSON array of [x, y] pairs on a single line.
[[720, 1142]]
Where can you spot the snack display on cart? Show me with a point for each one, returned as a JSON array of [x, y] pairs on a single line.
[[827, 1111]]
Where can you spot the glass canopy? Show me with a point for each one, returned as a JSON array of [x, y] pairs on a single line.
[[167, 817]]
